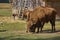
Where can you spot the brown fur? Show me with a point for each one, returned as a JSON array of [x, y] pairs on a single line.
[[39, 16], [14, 15], [25, 14]]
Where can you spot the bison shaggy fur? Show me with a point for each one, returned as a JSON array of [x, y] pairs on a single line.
[[39, 16]]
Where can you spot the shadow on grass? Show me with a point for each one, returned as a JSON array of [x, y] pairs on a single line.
[[3, 30], [44, 31], [9, 38], [49, 31]]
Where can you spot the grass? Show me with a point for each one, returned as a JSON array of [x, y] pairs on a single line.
[[5, 9], [22, 37], [16, 31], [5, 12], [12, 31], [12, 26], [20, 26], [5, 6]]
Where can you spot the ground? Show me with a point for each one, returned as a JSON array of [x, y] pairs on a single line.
[[17, 31], [11, 29]]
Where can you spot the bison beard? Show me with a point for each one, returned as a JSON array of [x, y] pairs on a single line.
[[39, 17]]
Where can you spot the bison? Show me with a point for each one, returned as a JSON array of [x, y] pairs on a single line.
[[39, 16], [25, 14], [14, 13]]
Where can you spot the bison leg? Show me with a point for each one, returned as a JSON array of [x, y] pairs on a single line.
[[41, 28], [33, 29], [28, 26], [53, 25], [42, 24], [22, 17], [14, 16], [38, 29]]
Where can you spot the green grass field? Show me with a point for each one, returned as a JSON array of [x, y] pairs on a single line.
[[17, 30], [5, 12], [5, 6], [5, 9]]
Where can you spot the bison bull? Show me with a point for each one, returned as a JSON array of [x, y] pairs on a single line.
[[39, 16], [25, 14]]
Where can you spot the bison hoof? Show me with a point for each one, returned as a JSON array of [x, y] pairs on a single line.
[[22, 18], [53, 31], [26, 31], [41, 31], [37, 32]]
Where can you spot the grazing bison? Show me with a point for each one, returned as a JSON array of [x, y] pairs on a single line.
[[14, 13], [25, 14], [39, 16]]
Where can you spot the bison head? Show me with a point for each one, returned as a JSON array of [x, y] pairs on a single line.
[[30, 26]]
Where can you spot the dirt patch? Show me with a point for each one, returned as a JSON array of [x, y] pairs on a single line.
[[10, 20]]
